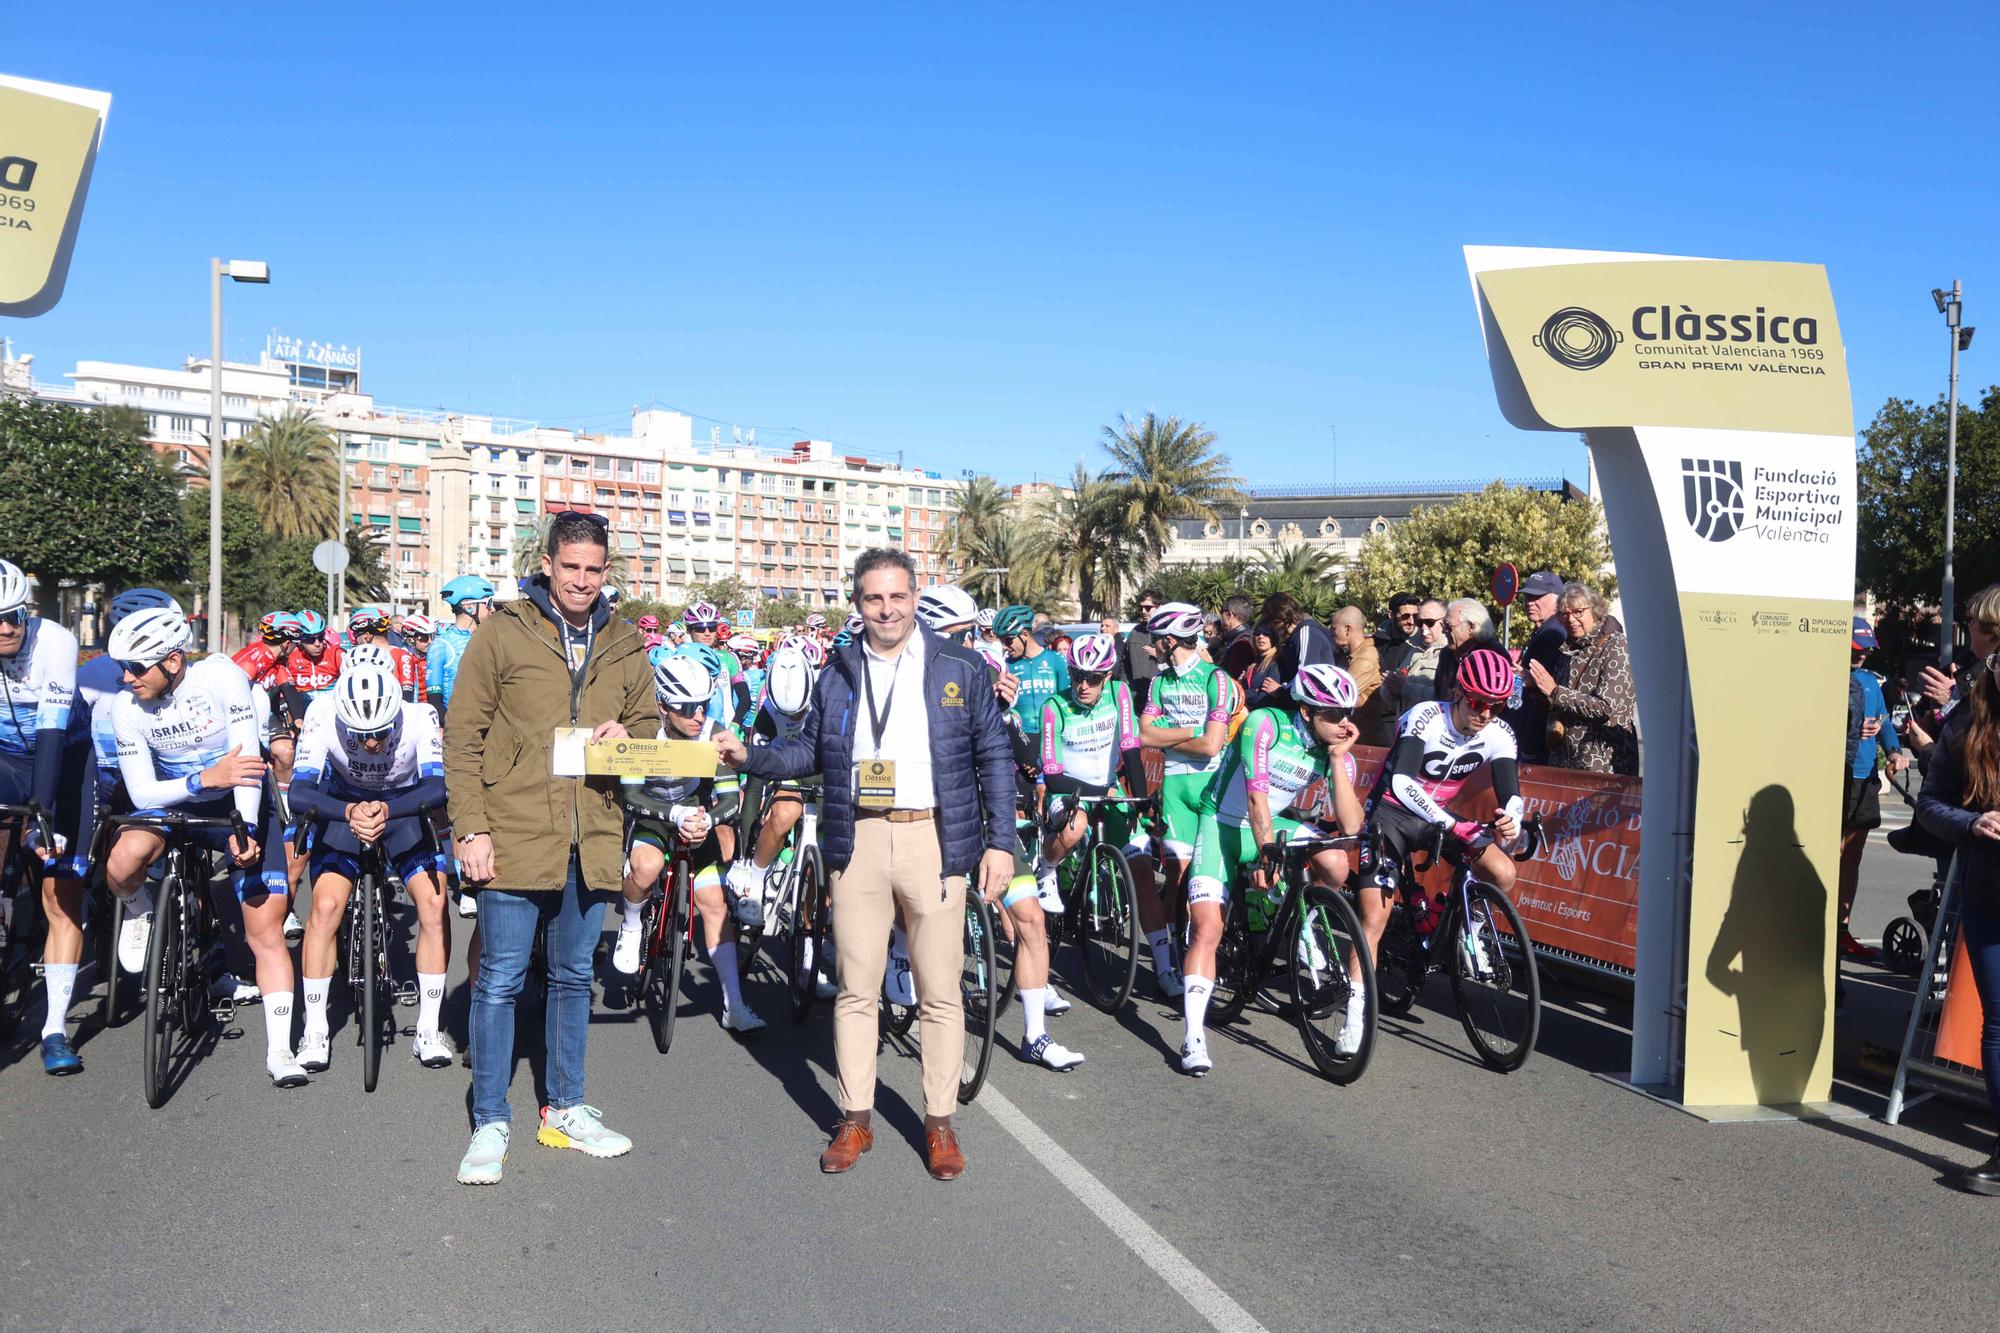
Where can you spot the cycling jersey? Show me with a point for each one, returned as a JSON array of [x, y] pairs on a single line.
[[44, 755], [1190, 696], [441, 663], [1274, 753], [261, 662], [164, 744], [313, 677], [333, 759], [1433, 760], [98, 682], [1086, 743], [38, 684], [1042, 676]]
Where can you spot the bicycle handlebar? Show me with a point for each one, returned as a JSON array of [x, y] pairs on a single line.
[[32, 810], [1284, 848]]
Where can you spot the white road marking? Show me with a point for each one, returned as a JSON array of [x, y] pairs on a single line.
[[1154, 1250]]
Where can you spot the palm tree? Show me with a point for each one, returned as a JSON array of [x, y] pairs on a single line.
[[1297, 562], [1082, 541], [1006, 565], [1166, 469], [367, 573], [288, 467], [528, 553], [981, 506]]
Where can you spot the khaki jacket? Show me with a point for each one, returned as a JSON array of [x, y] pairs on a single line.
[[514, 689]]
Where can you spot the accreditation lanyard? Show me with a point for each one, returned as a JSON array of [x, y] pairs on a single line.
[[878, 722], [576, 662]]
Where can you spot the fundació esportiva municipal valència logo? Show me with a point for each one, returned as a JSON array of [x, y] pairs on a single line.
[[1578, 338], [1797, 505]]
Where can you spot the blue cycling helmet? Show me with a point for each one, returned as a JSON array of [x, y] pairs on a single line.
[[467, 588], [311, 624], [705, 655], [842, 639], [137, 599]]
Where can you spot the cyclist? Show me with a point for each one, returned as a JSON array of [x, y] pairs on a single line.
[[314, 660], [675, 634], [669, 812], [418, 630], [1277, 753], [704, 627], [985, 632], [1187, 717], [370, 765], [747, 650], [649, 632], [45, 759], [1089, 742], [187, 740], [1440, 747], [370, 625], [471, 601]]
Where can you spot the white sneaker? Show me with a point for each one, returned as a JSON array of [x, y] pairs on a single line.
[[1349, 1040], [578, 1127], [484, 1156], [896, 983], [1194, 1058], [625, 953], [1170, 983], [315, 1052], [285, 1071], [294, 931], [1054, 1005], [1046, 1053], [133, 937], [233, 988], [742, 1019], [431, 1049]]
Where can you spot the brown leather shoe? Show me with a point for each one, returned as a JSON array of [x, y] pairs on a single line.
[[850, 1140], [946, 1161]]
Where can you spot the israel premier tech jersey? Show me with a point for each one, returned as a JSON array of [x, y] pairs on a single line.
[[39, 685], [332, 758], [164, 744]]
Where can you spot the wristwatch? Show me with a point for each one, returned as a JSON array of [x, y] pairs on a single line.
[[470, 836]]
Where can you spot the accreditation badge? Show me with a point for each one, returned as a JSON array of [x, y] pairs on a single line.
[[875, 784]]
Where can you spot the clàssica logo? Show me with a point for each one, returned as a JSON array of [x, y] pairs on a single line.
[[17, 174], [1712, 489], [1578, 338]]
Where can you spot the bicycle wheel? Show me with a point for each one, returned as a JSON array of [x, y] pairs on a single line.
[[107, 959], [17, 958], [165, 978], [979, 989], [1399, 975], [806, 940], [1327, 950], [676, 945], [1233, 988], [1493, 978], [1108, 929], [654, 996], [369, 929]]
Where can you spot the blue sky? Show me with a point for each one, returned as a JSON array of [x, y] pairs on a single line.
[[976, 234]]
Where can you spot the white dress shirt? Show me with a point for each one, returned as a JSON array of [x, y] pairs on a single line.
[[906, 731]]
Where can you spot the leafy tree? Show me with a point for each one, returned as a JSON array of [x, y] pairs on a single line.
[[288, 467], [782, 612], [1205, 586], [1166, 469], [1451, 550], [1008, 565], [367, 572], [243, 565], [1899, 532], [82, 497], [982, 505], [1082, 541], [1309, 573]]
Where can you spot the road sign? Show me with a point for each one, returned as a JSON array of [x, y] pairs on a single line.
[[745, 619], [330, 557], [1506, 582]]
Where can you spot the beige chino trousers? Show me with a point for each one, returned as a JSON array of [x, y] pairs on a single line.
[[899, 865]]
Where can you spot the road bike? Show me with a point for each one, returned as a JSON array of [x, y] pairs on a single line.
[[665, 928], [1476, 935], [21, 896]]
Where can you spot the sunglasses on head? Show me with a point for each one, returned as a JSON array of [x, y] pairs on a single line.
[[601, 520]]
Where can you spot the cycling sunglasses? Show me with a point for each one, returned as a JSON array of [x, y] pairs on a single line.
[[1091, 678], [1479, 705], [18, 616], [1334, 715], [685, 710], [136, 669]]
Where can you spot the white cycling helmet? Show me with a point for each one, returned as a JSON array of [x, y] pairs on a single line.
[[743, 643], [680, 680], [13, 588], [854, 623], [149, 637], [367, 657], [1176, 620], [995, 655], [985, 617], [790, 681], [1323, 685], [1093, 653], [812, 649], [946, 606], [702, 615], [367, 698], [419, 623]]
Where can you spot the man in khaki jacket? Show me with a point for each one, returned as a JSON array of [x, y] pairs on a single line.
[[542, 849]]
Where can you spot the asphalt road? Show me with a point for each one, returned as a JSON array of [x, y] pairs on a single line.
[[1431, 1194]]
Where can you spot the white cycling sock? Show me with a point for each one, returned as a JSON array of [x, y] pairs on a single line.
[[278, 1026], [1032, 1024], [1163, 958], [430, 999], [633, 912], [723, 957], [1194, 1004], [60, 978], [316, 992]]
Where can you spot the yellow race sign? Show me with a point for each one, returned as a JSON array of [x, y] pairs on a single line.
[[630, 757], [49, 135]]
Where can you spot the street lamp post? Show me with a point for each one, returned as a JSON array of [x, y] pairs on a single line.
[[1949, 305], [237, 270], [1242, 530]]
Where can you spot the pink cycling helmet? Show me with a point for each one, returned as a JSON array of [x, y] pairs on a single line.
[[1485, 673], [1093, 653]]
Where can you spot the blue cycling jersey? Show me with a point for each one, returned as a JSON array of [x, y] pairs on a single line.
[[441, 662], [38, 686]]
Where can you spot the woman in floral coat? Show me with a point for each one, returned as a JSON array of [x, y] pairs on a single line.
[[1591, 718]]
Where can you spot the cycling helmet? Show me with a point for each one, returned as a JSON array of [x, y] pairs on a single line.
[[267, 628], [289, 626], [813, 650], [1176, 620], [842, 639], [815, 621], [1485, 673], [1011, 620], [681, 679], [367, 698], [702, 615], [985, 617], [944, 607], [419, 623], [134, 600], [790, 682], [1323, 685], [148, 637], [368, 619], [677, 631], [1093, 653], [311, 624], [995, 655], [853, 623], [743, 644], [649, 623], [13, 588], [367, 657], [710, 659], [467, 588], [610, 595]]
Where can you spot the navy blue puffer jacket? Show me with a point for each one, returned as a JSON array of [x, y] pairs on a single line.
[[972, 761]]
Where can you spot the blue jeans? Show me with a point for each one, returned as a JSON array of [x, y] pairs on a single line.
[[507, 924], [1981, 927]]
